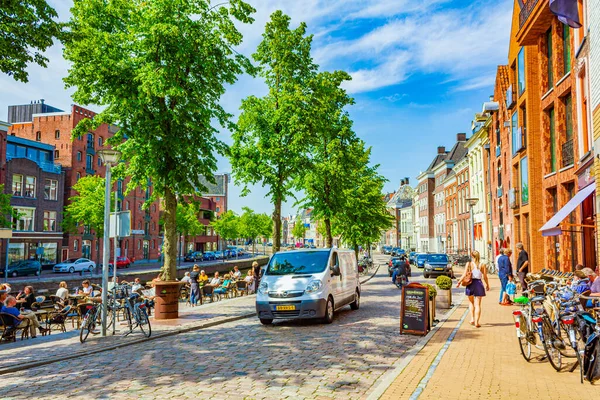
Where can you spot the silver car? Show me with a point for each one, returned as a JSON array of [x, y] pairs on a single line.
[[75, 265]]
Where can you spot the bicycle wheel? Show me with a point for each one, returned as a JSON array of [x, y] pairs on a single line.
[[86, 328], [143, 321], [554, 355], [524, 338]]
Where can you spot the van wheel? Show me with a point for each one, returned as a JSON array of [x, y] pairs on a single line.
[[355, 305], [328, 318], [266, 321], [426, 276]]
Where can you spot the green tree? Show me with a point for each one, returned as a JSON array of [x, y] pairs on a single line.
[[270, 144], [87, 208], [250, 226], [7, 212], [336, 151], [365, 214], [188, 219], [265, 226], [160, 68], [227, 226], [299, 229], [27, 29]]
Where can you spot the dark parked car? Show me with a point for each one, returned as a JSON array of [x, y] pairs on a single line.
[[23, 267], [412, 257], [209, 256], [193, 256], [438, 264], [386, 249], [420, 260]]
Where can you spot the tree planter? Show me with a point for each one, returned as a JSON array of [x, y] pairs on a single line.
[[444, 298], [166, 302]]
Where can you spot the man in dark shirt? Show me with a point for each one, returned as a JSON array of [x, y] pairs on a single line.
[[522, 265], [504, 270]]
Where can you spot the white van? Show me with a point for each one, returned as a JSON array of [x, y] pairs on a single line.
[[308, 283]]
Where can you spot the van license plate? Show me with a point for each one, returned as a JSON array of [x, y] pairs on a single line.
[[285, 308], [439, 269]]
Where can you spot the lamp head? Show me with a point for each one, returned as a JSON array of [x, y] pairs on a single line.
[[109, 156]]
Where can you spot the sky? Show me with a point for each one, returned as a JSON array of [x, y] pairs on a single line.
[[420, 71]]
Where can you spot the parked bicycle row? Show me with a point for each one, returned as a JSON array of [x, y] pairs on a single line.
[[558, 317]]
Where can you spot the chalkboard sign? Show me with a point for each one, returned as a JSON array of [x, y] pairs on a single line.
[[414, 313]]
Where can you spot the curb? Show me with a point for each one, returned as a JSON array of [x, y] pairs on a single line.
[[35, 364], [400, 365]]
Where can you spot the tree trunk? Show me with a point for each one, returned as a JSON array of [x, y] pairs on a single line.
[[328, 233], [169, 268], [356, 250], [277, 225]]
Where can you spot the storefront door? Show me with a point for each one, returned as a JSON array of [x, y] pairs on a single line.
[[86, 249]]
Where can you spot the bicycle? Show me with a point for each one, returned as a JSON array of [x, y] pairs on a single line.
[[525, 318], [93, 318], [135, 312], [589, 330]]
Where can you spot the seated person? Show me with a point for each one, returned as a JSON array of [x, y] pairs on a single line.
[[223, 288], [216, 280], [237, 274], [26, 298], [21, 318], [6, 287], [203, 278], [62, 291], [186, 277], [137, 285], [594, 282], [87, 289]]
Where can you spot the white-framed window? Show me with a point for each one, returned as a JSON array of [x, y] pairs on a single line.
[[49, 221], [24, 221], [78, 156], [29, 186], [51, 189], [75, 245], [17, 185]]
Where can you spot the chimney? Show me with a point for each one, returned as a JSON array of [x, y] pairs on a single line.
[[491, 98], [406, 180], [461, 137], [441, 150], [402, 182]]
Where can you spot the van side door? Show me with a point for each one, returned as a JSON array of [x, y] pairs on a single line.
[[336, 281]]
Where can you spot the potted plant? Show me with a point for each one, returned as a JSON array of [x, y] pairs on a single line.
[[432, 295], [444, 291]]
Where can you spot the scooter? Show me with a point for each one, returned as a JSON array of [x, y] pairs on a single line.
[[401, 281]]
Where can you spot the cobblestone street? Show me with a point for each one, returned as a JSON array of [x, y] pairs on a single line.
[[241, 359]]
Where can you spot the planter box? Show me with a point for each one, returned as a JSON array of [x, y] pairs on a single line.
[[166, 302], [444, 298]]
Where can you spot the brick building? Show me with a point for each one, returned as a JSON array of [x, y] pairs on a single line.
[[451, 203], [36, 184], [564, 150], [463, 242], [400, 202], [78, 157], [500, 167], [592, 59]]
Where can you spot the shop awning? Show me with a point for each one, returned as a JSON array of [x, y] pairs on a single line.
[[552, 228]]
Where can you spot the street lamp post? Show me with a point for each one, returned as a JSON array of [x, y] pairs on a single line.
[[109, 158], [472, 202]]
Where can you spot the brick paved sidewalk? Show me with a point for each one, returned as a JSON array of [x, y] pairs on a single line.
[[67, 344], [483, 363]]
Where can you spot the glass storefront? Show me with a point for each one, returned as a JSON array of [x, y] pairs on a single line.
[[28, 250]]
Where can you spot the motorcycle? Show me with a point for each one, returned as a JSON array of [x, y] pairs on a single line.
[[401, 281]]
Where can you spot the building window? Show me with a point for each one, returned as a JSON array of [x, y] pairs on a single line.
[[524, 181], [127, 205], [89, 162], [24, 220], [552, 141], [90, 140], [56, 154], [75, 245], [516, 140], [78, 177], [17, 185], [38, 136], [120, 187], [139, 244], [51, 189], [30, 186], [49, 221], [153, 207], [521, 70], [78, 156], [99, 163], [566, 49], [549, 55], [568, 118], [218, 209], [57, 134], [100, 141]]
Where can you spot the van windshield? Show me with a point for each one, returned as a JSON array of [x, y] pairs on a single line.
[[298, 262], [438, 258]]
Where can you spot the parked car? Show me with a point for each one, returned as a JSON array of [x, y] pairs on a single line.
[[386, 249], [218, 255], [208, 256], [307, 284], [23, 268], [420, 260], [412, 257], [193, 256], [122, 262], [438, 264], [75, 265], [271, 245]]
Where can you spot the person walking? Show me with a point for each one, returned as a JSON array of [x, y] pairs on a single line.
[[504, 270], [522, 266], [475, 290]]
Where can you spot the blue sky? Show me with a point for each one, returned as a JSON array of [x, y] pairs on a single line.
[[420, 69]]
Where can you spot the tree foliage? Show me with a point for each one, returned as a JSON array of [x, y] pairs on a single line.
[[336, 152], [87, 206], [27, 29], [227, 226], [188, 218], [159, 67], [270, 144], [253, 225], [299, 230], [7, 211]]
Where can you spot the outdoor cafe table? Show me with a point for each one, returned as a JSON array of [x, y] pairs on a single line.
[[77, 297], [43, 314]]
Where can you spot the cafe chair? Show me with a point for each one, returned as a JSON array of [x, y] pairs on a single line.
[[242, 287], [207, 292], [58, 318], [9, 331]]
